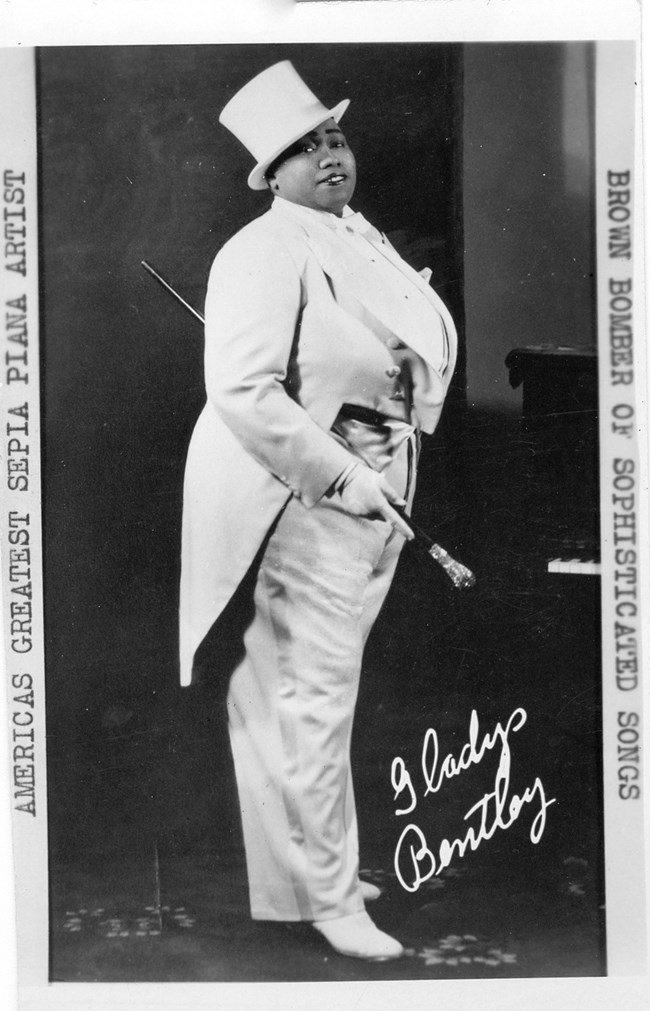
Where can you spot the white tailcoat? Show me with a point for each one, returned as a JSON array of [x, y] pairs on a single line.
[[297, 323]]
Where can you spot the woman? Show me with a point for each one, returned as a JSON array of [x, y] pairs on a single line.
[[326, 354]]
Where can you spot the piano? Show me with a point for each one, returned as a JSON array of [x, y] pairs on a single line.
[[559, 430]]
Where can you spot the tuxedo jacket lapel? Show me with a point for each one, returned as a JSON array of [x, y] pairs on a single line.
[[354, 273], [421, 281]]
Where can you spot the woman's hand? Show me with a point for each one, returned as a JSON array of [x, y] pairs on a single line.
[[368, 493]]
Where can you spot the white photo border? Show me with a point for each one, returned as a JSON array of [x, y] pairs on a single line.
[[364, 20]]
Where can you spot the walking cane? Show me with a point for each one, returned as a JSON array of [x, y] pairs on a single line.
[[461, 577]]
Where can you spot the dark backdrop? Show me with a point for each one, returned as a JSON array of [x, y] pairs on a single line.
[[134, 165]]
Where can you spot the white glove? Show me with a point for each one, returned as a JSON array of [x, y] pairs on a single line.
[[365, 492]]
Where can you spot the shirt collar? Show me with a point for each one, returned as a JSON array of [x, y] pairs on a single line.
[[349, 221]]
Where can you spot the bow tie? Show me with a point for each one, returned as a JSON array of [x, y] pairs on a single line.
[[356, 222]]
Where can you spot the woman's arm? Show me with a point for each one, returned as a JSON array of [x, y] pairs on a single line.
[[252, 314]]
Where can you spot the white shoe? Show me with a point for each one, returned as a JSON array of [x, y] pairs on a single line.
[[357, 936], [369, 892]]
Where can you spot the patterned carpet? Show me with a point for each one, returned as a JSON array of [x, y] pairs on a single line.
[[464, 924]]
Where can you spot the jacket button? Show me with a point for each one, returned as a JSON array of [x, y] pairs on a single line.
[[397, 396], [393, 371], [395, 343]]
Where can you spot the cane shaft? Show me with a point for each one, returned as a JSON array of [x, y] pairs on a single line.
[[172, 291]]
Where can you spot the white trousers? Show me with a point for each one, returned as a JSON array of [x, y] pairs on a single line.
[[321, 583]]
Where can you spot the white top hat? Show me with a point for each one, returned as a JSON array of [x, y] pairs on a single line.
[[272, 112]]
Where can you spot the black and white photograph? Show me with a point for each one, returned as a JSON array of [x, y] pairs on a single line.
[[322, 516]]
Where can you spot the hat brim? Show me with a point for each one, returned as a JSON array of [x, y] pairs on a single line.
[[256, 179]]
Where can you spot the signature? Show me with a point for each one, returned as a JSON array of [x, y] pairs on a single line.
[[415, 862]]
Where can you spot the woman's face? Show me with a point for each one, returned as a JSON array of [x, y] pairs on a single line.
[[318, 171]]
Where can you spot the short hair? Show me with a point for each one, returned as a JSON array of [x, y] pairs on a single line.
[[282, 157]]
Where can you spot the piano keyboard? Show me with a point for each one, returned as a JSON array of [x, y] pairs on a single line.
[[574, 566]]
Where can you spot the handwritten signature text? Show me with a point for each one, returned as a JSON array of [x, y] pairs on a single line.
[[415, 862]]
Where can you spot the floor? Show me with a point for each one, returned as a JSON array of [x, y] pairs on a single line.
[[147, 872], [116, 922]]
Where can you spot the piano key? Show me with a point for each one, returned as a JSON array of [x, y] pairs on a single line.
[[574, 566]]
